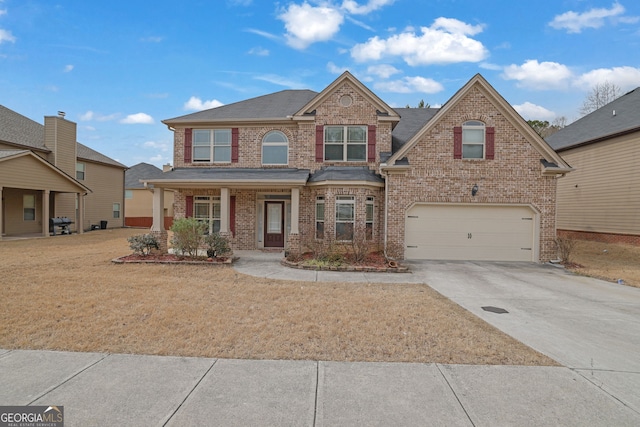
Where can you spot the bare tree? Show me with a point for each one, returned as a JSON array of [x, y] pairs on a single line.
[[600, 95]]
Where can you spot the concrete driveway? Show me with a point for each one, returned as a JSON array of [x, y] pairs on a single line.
[[588, 325]]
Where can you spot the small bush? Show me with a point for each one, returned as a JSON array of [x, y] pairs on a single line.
[[142, 244], [565, 247], [188, 234], [217, 245]]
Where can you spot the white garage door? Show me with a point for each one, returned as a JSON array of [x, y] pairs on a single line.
[[463, 232]]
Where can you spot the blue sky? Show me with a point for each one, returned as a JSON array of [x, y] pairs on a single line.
[[118, 68]]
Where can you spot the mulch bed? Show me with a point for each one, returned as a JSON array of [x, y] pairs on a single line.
[[374, 263], [171, 259]]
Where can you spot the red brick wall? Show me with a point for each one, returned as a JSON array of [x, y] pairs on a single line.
[[629, 239]]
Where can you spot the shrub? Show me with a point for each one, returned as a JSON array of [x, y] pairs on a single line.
[[187, 236], [142, 244], [217, 245], [565, 247]]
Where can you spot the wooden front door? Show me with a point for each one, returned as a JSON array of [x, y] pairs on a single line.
[[274, 225]]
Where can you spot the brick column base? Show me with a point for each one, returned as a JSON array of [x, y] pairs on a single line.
[[293, 246], [162, 237]]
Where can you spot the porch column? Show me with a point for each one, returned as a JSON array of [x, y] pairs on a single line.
[[80, 219], [225, 210], [295, 210], [45, 213], [1, 219], [158, 209]]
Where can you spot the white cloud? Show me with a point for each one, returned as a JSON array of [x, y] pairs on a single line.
[[138, 118], [196, 104], [575, 22], [626, 78], [552, 75], [156, 145], [383, 71], [262, 33], [90, 115], [534, 112], [6, 36], [410, 85], [3, 12], [334, 69], [152, 39], [68, 68], [259, 51], [353, 7], [446, 41], [90, 128], [539, 75], [306, 24]]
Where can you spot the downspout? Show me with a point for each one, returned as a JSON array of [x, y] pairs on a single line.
[[386, 212]]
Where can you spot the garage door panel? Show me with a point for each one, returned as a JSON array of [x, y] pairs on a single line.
[[462, 232]]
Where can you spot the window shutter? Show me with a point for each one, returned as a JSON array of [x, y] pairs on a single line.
[[188, 212], [319, 143], [371, 144], [232, 215], [234, 145], [187, 144], [457, 142], [489, 143]]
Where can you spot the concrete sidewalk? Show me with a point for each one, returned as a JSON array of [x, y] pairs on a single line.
[[105, 390]]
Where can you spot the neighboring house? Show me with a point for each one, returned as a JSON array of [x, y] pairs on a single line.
[[470, 180], [139, 199], [45, 173], [601, 199]]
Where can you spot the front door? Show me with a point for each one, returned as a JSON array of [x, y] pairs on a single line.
[[274, 225]]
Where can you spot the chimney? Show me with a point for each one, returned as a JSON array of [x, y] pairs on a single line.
[[60, 138], [167, 167]]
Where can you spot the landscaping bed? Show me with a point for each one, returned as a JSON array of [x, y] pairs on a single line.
[[171, 259]]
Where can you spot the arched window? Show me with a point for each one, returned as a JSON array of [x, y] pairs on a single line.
[[473, 133], [275, 148]]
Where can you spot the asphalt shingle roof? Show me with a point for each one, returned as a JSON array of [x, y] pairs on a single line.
[[234, 174], [345, 173], [20, 130], [411, 121], [600, 123], [277, 105], [135, 173]]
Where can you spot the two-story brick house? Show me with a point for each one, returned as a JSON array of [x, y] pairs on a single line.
[[470, 180]]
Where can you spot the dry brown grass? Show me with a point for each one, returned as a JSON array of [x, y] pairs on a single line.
[[64, 293], [607, 261]]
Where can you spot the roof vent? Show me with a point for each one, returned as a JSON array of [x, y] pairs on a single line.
[[61, 114], [614, 112]]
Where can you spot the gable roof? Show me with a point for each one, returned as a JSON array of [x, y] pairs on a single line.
[[21, 131], [384, 110], [618, 117], [9, 155], [275, 106], [135, 173], [553, 162]]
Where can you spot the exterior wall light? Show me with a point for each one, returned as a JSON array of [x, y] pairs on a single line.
[[474, 190]]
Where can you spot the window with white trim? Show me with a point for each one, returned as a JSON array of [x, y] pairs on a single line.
[[473, 132], [211, 145], [345, 143], [206, 209], [275, 148], [29, 207], [369, 218], [320, 217], [345, 217], [116, 210]]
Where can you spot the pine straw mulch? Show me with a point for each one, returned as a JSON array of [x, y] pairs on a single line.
[[64, 293]]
